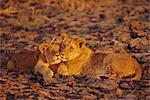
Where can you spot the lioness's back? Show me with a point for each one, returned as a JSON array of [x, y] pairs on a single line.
[[94, 66]]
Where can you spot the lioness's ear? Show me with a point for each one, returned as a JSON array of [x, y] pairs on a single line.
[[57, 40], [81, 42], [64, 36], [43, 47]]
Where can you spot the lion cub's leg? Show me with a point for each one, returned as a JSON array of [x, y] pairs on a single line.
[[62, 69], [47, 76], [43, 68]]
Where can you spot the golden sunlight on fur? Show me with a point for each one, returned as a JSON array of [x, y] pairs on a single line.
[[82, 60], [70, 56], [49, 56]]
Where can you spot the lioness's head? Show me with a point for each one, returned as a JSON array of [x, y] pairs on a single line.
[[71, 48]]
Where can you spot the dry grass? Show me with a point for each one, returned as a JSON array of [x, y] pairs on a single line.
[[78, 5]]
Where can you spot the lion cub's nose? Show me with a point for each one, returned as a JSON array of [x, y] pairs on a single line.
[[57, 55], [61, 48]]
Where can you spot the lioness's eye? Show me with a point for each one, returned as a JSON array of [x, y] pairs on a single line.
[[71, 47]]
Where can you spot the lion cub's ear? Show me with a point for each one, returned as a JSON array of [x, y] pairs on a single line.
[[81, 42], [43, 47]]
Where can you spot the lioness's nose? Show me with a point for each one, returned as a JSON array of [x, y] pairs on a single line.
[[61, 55], [60, 49]]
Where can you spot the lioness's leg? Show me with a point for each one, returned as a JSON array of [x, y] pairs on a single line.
[[62, 69], [138, 73]]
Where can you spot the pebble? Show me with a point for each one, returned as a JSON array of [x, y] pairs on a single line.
[[84, 30], [147, 98], [125, 37], [131, 97]]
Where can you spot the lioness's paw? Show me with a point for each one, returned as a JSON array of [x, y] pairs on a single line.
[[63, 72]]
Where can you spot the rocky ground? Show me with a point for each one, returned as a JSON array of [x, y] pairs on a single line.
[[110, 26]]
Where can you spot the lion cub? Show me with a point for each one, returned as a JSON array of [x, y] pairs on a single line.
[[80, 59], [43, 61], [48, 60], [23, 61]]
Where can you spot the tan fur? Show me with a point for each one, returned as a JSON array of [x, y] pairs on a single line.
[[72, 57], [123, 64], [49, 57], [23, 61], [82, 60], [43, 68]]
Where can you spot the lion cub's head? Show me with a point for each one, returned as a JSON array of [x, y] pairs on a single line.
[[50, 51], [71, 48]]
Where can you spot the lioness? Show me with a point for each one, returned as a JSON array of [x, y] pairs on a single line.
[[80, 59]]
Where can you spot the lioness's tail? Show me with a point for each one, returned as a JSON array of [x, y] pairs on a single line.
[[138, 73]]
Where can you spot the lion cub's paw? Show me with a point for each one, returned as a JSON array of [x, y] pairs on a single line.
[[47, 79], [48, 76]]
